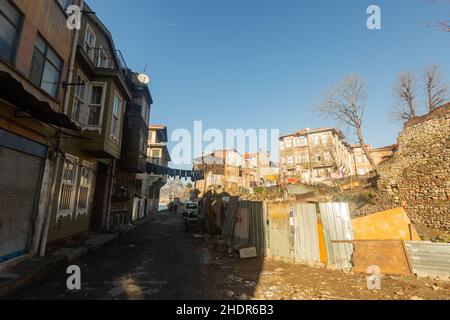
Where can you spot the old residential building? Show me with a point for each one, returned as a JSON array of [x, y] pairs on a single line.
[[258, 170], [97, 101], [127, 202], [149, 185], [35, 55], [361, 165], [314, 156], [223, 171]]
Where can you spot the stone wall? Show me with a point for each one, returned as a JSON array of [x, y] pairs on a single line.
[[418, 176]]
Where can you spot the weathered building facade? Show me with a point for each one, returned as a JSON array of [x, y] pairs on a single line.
[[127, 201], [314, 156], [35, 57], [98, 94], [149, 184]]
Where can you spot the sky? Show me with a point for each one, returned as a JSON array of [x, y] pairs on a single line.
[[263, 63]]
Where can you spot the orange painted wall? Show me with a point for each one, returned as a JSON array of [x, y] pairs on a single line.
[[322, 245], [387, 225]]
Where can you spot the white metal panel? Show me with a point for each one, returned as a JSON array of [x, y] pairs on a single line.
[[429, 259], [337, 226], [306, 245]]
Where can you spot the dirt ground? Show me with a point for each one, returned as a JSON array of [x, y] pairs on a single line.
[[277, 280], [162, 261]]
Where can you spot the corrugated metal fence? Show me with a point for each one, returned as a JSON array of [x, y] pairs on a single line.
[[337, 226], [306, 243], [429, 259]]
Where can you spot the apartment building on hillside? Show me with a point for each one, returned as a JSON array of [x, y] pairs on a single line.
[[222, 170], [314, 156]]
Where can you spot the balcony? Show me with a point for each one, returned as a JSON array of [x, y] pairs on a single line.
[[102, 61]]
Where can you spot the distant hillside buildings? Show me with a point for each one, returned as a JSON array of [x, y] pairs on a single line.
[[314, 156]]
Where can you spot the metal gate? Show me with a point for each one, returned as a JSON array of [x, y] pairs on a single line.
[[22, 162], [306, 241]]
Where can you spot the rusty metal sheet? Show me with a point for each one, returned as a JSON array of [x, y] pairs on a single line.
[[279, 228], [242, 227], [230, 218], [388, 255], [337, 226], [257, 228], [429, 259], [306, 243]]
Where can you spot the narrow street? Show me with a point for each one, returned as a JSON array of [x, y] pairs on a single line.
[[161, 261], [156, 261]]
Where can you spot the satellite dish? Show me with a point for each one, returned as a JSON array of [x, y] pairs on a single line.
[[143, 78]]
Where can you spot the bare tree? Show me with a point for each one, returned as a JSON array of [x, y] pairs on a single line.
[[436, 87], [441, 24], [406, 107], [346, 103], [173, 189]]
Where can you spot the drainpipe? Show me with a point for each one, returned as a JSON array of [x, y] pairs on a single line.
[[72, 64], [43, 244]]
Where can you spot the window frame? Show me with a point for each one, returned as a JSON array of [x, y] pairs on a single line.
[[75, 97], [101, 51], [68, 212], [94, 36], [102, 105], [46, 59], [19, 29], [90, 167], [117, 117]]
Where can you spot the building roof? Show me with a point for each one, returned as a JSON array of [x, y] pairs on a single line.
[[308, 131]]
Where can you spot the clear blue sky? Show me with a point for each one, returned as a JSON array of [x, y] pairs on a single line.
[[262, 63]]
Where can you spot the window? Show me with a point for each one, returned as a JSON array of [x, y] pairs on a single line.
[[68, 186], [10, 25], [156, 153], [151, 136], [65, 3], [84, 188], [145, 111], [316, 140], [117, 110], [103, 59], [290, 160], [45, 68], [96, 103], [289, 143], [89, 42], [143, 145], [319, 157], [79, 98]]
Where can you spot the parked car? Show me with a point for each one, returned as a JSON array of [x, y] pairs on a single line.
[[191, 209], [192, 216]]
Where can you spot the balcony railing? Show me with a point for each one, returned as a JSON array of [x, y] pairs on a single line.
[[104, 59]]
